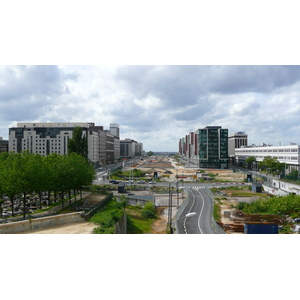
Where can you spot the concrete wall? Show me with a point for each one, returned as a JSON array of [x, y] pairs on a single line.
[[281, 188], [34, 224]]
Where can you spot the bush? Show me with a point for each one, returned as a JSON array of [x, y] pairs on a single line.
[[149, 211], [148, 214]]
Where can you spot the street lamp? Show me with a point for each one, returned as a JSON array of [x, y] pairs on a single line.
[[188, 215]]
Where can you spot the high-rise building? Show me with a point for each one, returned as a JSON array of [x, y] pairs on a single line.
[[206, 148], [130, 148]]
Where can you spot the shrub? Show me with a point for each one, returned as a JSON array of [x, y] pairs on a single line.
[[149, 211]]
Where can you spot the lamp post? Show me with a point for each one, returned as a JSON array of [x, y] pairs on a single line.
[[188, 215]]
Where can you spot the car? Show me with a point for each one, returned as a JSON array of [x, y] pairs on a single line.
[[152, 182], [141, 182], [115, 182], [129, 181]]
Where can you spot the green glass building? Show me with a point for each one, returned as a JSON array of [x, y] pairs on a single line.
[[212, 147]]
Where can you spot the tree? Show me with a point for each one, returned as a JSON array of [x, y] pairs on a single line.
[[250, 160], [78, 144], [150, 153], [271, 164]]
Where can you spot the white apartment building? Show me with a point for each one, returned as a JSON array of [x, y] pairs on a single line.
[[48, 138], [289, 154]]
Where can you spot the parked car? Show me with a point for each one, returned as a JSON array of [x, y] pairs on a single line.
[[152, 182], [141, 182], [130, 181]]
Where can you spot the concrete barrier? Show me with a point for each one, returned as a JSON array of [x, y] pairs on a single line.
[[34, 224]]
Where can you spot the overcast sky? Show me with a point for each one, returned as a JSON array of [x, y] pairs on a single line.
[[157, 105]]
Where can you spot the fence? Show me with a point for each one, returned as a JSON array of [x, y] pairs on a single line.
[[88, 213]]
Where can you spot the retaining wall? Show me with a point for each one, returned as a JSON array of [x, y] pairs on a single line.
[[34, 224]]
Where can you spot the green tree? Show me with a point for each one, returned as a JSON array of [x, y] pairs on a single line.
[[78, 144], [150, 153], [10, 177], [250, 160]]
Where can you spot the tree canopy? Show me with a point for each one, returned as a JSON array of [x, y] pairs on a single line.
[[78, 144]]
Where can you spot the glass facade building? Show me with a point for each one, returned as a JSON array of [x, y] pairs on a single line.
[[206, 147]]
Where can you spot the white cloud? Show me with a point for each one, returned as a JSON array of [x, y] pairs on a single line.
[[157, 105]]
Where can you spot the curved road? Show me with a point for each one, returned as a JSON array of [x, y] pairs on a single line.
[[199, 202]]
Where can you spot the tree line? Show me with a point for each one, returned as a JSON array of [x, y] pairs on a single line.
[[25, 173]]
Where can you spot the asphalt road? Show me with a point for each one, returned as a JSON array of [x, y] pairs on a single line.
[[199, 202]]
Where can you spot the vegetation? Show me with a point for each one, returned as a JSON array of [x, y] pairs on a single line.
[[280, 205], [26, 173], [250, 160], [271, 165], [108, 217], [150, 153], [120, 174], [136, 224], [149, 211], [78, 144], [217, 210]]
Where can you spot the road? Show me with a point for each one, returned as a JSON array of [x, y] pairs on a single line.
[[199, 202]]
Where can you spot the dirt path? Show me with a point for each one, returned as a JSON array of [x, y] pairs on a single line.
[[73, 228]]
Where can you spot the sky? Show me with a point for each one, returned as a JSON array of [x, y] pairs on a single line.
[[157, 104]]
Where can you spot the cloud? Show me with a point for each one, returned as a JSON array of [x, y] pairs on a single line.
[[156, 104]]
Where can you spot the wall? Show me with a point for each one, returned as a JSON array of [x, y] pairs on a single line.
[[34, 224], [283, 188]]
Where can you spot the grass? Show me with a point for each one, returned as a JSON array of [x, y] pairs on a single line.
[[107, 217], [136, 224]]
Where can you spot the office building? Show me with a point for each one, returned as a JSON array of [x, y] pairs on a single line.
[[288, 154], [3, 145], [130, 148], [206, 148], [48, 138]]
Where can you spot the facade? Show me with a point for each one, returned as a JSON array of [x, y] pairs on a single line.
[[289, 154], [3, 145], [206, 148], [48, 138], [236, 140], [130, 148]]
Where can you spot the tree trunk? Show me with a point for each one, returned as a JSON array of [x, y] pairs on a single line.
[[49, 199], [12, 206], [70, 197], [75, 195], [80, 194], [24, 203], [55, 195], [63, 205], [40, 198]]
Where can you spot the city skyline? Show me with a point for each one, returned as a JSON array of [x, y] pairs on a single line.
[[157, 105]]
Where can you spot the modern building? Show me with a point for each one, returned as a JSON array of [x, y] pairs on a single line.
[[130, 148], [48, 138], [3, 145], [236, 140], [206, 148], [288, 154]]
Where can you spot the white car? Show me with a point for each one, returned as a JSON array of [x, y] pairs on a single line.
[[152, 182]]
